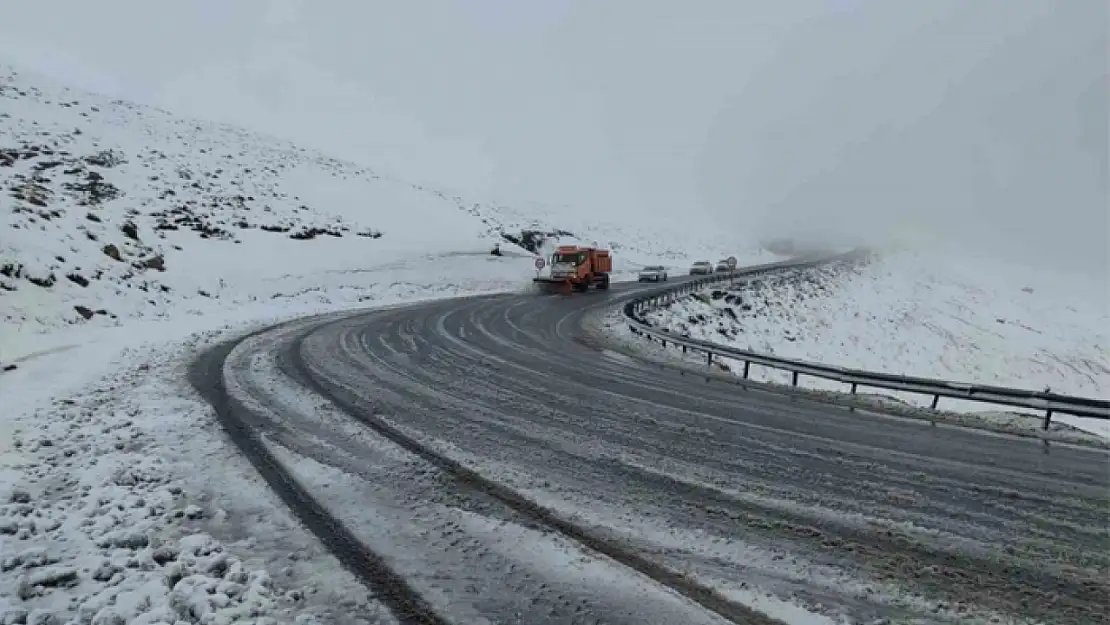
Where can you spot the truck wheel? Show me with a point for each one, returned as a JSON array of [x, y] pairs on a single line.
[[603, 283]]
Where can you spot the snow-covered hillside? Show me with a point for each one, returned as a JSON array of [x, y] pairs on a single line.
[[111, 211], [914, 314], [130, 238]]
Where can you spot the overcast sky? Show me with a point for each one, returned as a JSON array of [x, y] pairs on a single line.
[[956, 122]]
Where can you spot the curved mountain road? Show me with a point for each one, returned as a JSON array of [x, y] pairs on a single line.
[[489, 459]]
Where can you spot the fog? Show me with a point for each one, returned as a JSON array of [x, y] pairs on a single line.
[[951, 124]]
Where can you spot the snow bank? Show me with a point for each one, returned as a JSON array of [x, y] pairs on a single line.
[[910, 314], [95, 526]]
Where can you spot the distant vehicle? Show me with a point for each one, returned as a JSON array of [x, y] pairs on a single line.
[[653, 273], [701, 267], [722, 265]]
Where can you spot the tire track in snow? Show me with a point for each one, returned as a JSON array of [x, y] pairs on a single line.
[[407, 606], [886, 499], [702, 594], [507, 393], [256, 415]]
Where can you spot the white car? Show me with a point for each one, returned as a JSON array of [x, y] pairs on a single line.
[[653, 273], [722, 265], [701, 267]]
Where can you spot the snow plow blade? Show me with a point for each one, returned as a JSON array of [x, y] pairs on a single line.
[[548, 285]]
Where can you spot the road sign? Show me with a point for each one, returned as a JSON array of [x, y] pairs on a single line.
[[540, 263], [731, 262]]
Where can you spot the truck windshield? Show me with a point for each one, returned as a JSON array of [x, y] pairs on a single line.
[[571, 257]]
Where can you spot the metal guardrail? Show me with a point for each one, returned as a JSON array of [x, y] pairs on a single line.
[[1049, 402]]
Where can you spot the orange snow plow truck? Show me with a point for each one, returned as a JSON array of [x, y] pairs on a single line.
[[575, 268]]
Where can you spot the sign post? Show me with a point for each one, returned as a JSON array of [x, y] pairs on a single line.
[[731, 268], [540, 264]]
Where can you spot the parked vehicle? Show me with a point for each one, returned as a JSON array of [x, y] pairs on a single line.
[[653, 273], [576, 268], [701, 267], [722, 265]]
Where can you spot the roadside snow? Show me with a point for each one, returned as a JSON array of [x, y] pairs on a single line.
[[911, 314], [105, 516], [121, 498], [96, 525]]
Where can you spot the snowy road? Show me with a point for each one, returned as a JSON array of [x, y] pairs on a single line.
[[489, 460]]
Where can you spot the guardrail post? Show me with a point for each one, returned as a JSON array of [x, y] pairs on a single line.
[[683, 349], [936, 400], [709, 359], [1047, 419], [794, 379], [854, 385], [747, 368]]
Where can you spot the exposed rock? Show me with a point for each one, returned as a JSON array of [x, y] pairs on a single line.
[[157, 262], [130, 230], [45, 283], [94, 190], [313, 232], [19, 496], [31, 192], [106, 159]]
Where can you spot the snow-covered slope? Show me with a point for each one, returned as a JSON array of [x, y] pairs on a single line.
[[914, 314], [111, 211], [129, 239]]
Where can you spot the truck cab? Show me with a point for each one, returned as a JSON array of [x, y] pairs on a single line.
[[567, 263]]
